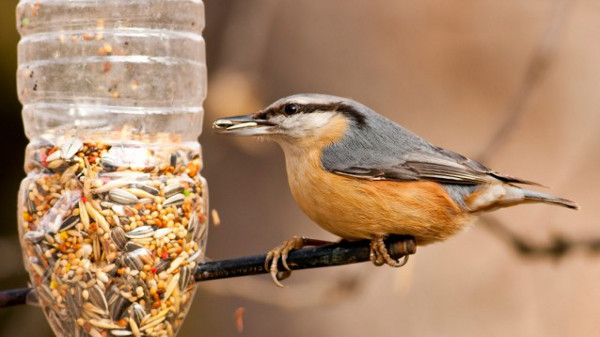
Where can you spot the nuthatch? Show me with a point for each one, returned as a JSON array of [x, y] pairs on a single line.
[[359, 175]]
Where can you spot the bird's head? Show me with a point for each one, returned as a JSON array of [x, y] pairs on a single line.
[[302, 118]]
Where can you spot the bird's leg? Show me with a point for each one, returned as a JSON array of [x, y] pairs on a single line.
[[282, 251], [375, 254], [379, 254]]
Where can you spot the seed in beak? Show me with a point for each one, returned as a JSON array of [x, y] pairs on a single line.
[[222, 124], [242, 125]]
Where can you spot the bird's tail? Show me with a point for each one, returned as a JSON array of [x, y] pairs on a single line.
[[504, 195], [534, 196]]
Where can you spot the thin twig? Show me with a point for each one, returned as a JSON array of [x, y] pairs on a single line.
[[537, 69], [314, 257], [558, 248]]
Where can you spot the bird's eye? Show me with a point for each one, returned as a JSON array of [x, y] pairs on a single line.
[[290, 109]]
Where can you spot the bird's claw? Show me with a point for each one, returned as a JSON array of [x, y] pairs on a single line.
[[380, 255], [281, 253]]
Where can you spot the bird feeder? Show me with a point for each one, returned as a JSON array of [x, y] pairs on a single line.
[[112, 213]]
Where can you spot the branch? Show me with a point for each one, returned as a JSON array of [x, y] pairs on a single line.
[[336, 254], [558, 248]]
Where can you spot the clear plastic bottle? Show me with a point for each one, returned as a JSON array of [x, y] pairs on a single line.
[[113, 209]]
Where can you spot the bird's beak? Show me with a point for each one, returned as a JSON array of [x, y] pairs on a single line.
[[245, 125]]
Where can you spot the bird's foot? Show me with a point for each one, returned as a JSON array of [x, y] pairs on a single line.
[[281, 253], [380, 255]]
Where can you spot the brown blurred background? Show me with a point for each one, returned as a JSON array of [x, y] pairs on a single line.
[[454, 72]]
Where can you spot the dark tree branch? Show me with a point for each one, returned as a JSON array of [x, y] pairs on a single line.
[[313, 257]]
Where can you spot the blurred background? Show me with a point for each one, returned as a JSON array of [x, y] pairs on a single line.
[[513, 83]]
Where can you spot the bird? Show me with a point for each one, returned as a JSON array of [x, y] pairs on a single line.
[[359, 175]]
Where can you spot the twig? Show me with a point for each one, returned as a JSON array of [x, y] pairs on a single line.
[[558, 248], [537, 68], [314, 257], [12, 297]]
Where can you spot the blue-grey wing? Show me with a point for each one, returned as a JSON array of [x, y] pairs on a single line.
[[389, 152], [379, 149], [412, 167]]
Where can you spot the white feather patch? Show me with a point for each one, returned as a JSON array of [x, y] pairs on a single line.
[[301, 125]]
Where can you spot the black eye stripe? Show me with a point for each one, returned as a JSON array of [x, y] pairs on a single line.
[[340, 107]]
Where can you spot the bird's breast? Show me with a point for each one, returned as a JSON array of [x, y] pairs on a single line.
[[362, 209]]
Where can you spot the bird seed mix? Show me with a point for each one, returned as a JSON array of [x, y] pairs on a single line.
[[112, 231]]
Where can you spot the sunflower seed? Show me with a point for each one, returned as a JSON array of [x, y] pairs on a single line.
[[70, 148], [68, 223], [109, 162], [122, 197], [133, 262], [193, 224], [140, 232], [132, 246], [117, 304], [119, 307], [59, 323], [73, 301], [136, 259], [162, 265], [144, 255], [54, 156], [174, 200], [117, 234], [195, 256], [159, 233], [119, 210], [34, 236], [97, 297], [145, 187], [121, 332], [44, 294], [186, 277], [137, 312], [31, 206], [173, 189]]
